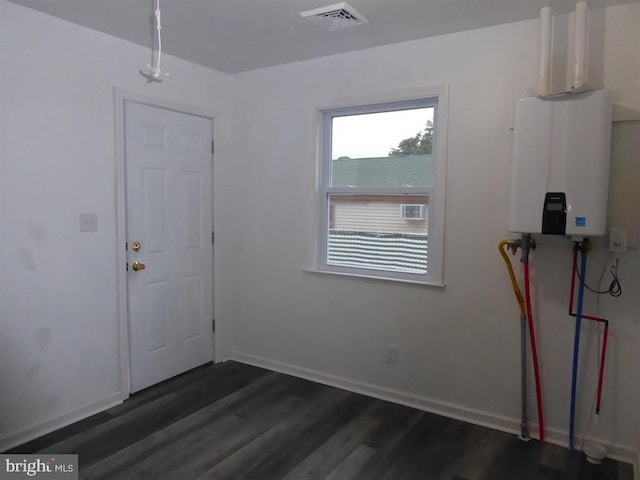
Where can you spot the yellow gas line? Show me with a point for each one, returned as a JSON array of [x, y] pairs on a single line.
[[514, 283]]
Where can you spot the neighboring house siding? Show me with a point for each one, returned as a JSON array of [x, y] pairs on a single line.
[[371, 216]]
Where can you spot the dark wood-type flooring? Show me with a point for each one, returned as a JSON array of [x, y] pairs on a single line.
[[233, 421]]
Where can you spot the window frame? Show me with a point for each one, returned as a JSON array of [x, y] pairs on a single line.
[[435, 97]]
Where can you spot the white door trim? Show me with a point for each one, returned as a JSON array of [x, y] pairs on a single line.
[[121, 96]]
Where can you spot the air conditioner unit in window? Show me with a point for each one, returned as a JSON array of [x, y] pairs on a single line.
[[413, 211]]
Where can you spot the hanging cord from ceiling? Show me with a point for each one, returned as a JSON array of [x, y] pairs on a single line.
[[156, 73]]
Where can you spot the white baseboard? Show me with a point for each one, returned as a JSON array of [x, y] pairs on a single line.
[[620, 453], [221, 357], [35, 431], [446, 409]]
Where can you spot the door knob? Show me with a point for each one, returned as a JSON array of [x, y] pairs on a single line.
[[137, 266], [135, 246]]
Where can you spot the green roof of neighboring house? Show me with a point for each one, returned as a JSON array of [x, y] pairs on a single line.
[[413, 170]]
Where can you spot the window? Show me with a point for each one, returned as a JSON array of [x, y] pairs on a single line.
[[379, 190]]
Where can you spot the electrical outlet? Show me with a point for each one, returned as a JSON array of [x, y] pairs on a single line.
[[618, 240], [88, 222], [391, 354], [632, 238]]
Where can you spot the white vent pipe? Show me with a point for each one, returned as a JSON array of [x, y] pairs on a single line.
[[571, 52], [577, 50], [581, 38], [544, 52]]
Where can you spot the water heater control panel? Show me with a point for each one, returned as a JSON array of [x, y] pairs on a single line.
[[554, 214]]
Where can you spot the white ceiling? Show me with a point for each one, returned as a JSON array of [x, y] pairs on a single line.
[[238, 35]]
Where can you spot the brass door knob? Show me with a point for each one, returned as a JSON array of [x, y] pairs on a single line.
[[135, 246], [137, 266]]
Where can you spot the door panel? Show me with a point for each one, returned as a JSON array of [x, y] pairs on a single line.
[[169, 211]]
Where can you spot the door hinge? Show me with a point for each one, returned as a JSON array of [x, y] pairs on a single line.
[[213, 148], [213, 324], [213, 238]]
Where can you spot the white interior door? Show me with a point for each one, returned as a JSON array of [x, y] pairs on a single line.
[[169, 213]]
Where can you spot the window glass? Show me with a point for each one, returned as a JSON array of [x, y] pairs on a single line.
[[369, 231], [378, 176], [383, 149]]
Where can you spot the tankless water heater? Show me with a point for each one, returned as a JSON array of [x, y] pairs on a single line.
[[561, 156]]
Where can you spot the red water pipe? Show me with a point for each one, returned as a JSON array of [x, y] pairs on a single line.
[[534, 352], [573, 278], [595, 319], [603, 355], [601, 376]]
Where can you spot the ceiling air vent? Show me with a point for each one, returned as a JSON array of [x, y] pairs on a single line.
[[333, 17]]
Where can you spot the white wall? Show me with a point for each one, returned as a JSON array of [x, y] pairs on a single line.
[[58, 302], [1, 170], [458, 347]]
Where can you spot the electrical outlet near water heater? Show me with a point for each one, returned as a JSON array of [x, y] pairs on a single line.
[[618, 240], [561, 158]]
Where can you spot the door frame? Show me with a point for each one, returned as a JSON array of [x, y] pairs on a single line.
[[120, 97]]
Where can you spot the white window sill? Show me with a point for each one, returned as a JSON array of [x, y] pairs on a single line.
[[425, 283]]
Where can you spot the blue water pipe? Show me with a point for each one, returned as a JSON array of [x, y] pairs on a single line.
[[576, 343]]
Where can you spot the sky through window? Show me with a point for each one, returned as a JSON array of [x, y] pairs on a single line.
[[375, 134]]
